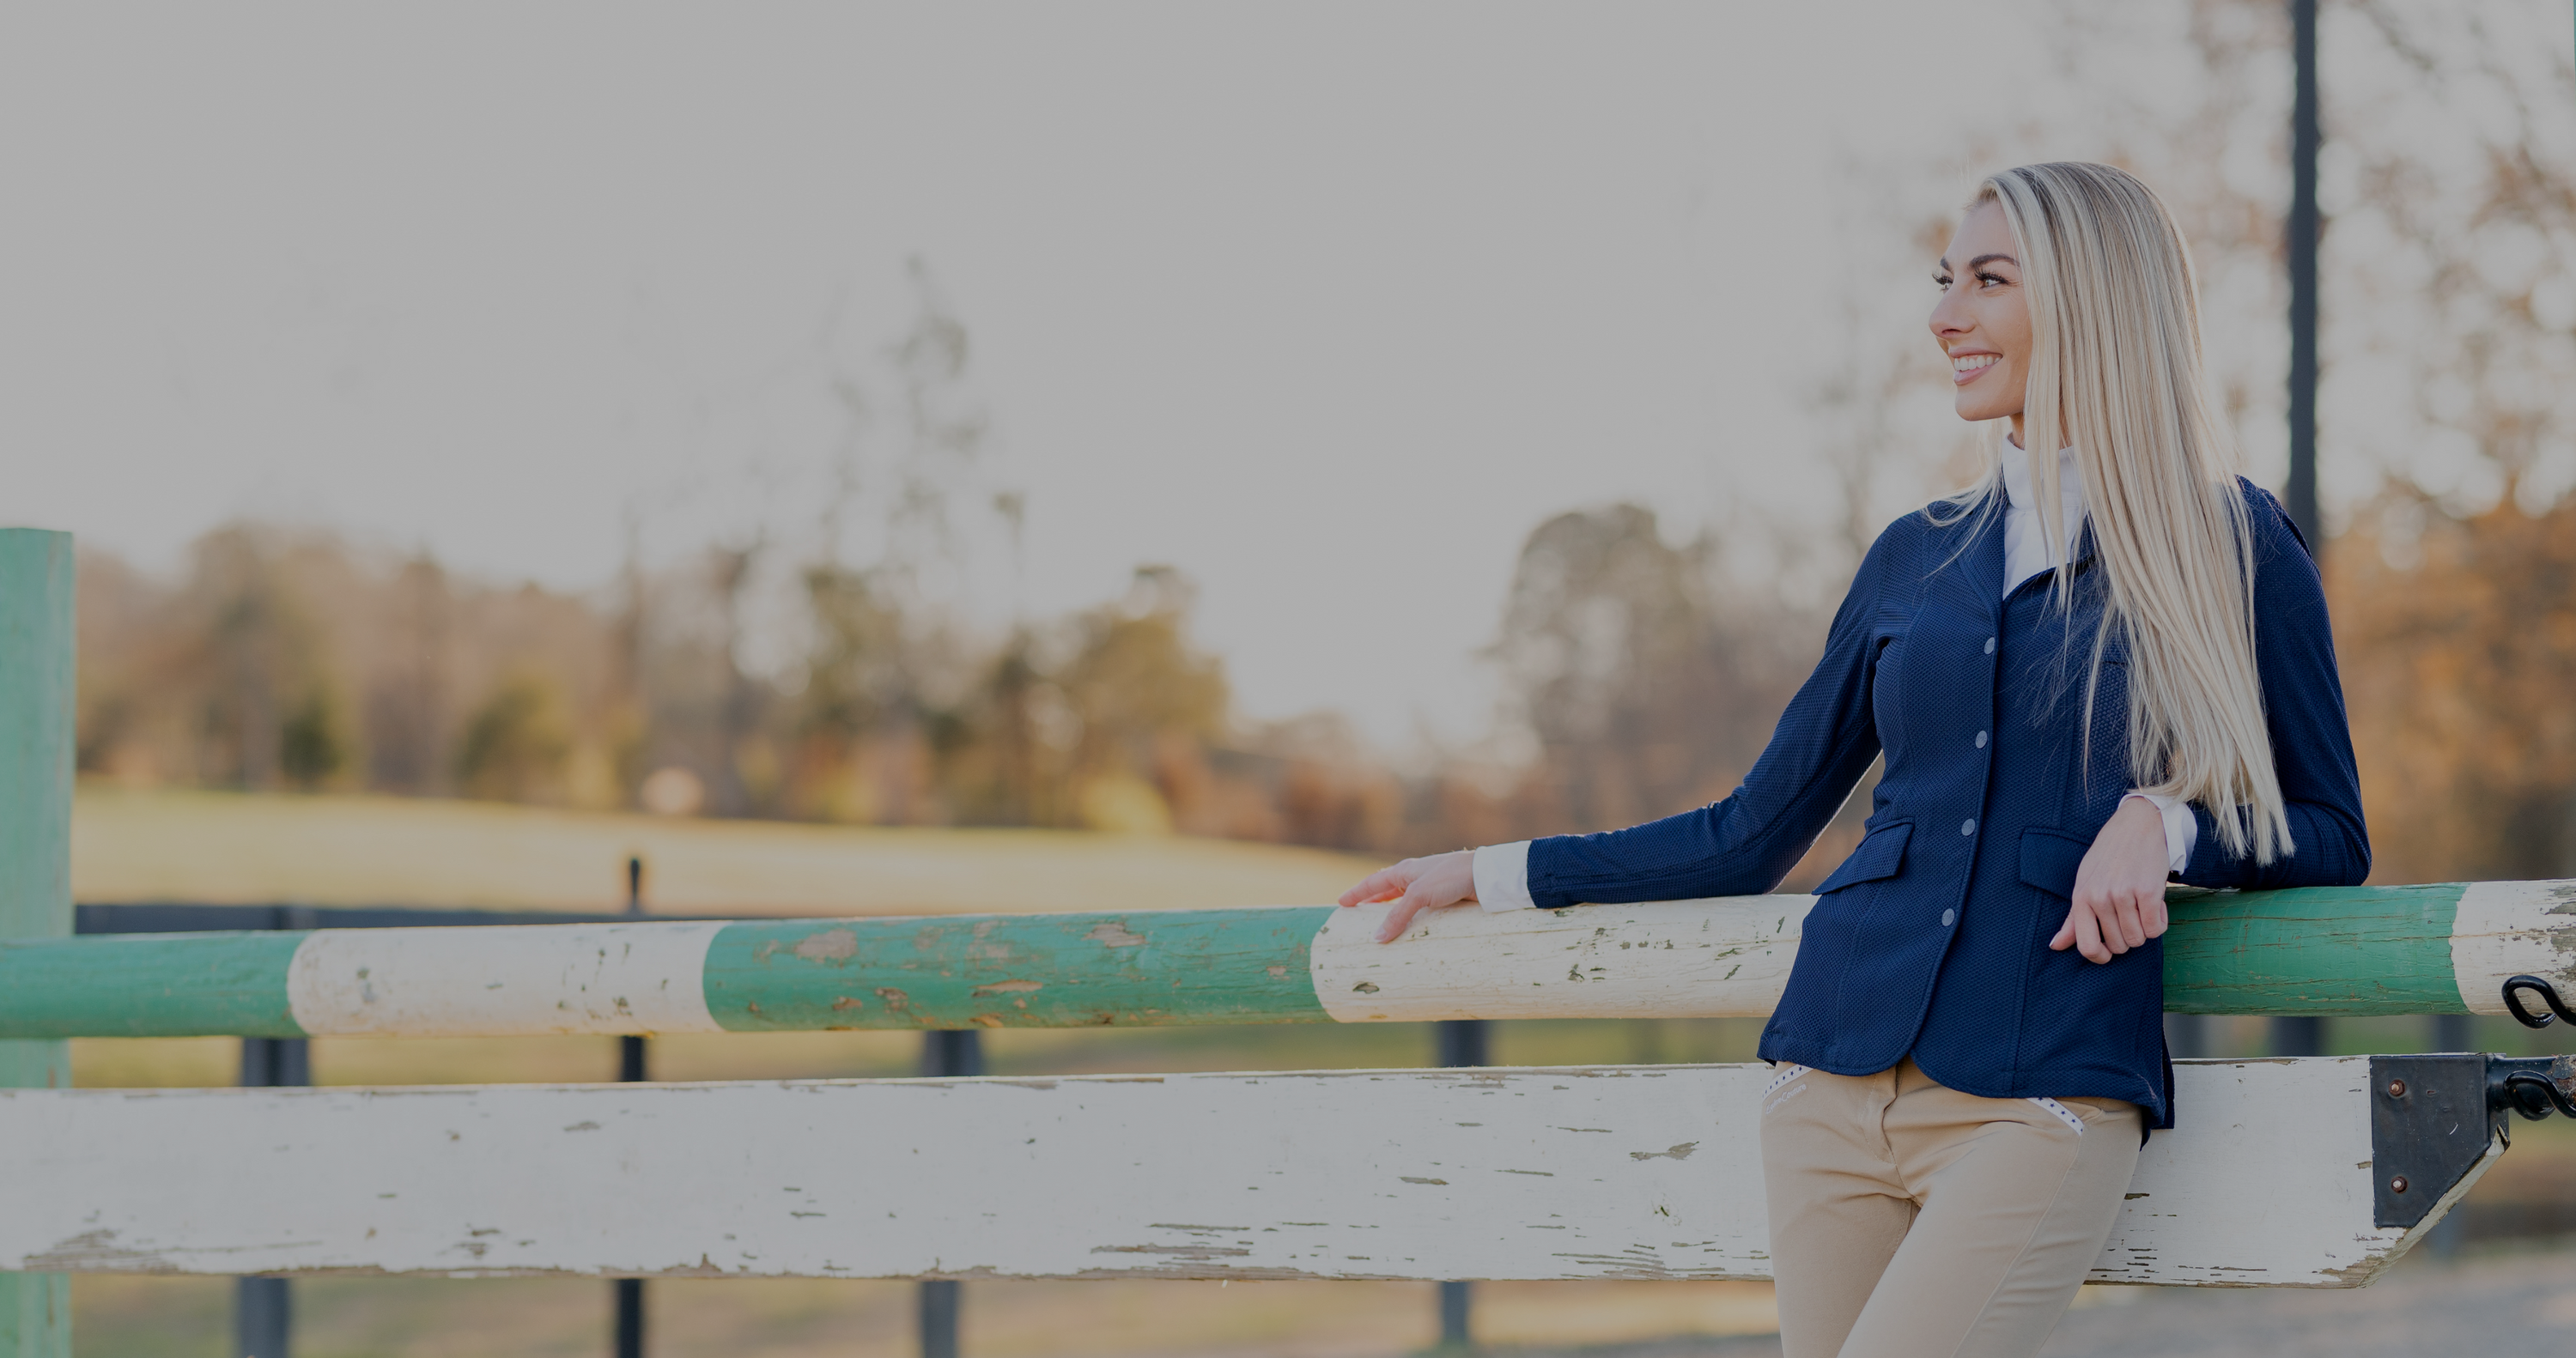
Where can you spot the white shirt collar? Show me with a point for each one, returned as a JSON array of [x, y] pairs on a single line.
[[2025, 554], [2020, 487]]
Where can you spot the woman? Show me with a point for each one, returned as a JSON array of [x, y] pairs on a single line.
[[2090, 673]]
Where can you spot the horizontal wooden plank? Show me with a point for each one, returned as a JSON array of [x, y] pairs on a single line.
[[1604, 1172], [2362, 950]]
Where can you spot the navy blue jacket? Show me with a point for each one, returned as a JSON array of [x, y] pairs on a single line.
[[1931, 940]]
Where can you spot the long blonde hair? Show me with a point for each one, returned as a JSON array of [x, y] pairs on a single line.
[[2115, 373]]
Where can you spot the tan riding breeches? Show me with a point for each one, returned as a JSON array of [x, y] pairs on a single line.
[[1909, 1220]]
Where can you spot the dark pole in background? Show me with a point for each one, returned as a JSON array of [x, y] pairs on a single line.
[[1462, 1042], [2304, 230], [629, 1292], [945, 1053], [2303, 1036], [264, 1308]]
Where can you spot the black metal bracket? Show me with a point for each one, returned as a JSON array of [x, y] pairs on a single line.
[[2432, 1119], [2430, 1124]]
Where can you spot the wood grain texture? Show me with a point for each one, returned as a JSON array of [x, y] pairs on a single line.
[[1605, 1172], [2317, 950]]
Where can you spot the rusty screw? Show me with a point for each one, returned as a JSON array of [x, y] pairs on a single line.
[[2397, 1089], [2398, 1184]]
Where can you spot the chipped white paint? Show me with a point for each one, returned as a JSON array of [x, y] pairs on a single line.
[[1722, 958], [585, 978], [2506, 929], [1616, 1172], [2275, 1155]]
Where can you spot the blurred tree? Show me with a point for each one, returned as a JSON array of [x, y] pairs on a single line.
[[253, 644], [1145, 699], [313, 748], [2459, 637], [1645, 697], [408, 690], [515, 745]]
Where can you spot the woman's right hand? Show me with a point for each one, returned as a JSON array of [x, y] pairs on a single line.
[[1416, 885]]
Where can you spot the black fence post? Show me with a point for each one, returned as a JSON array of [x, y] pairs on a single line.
[[946, 1052], [1461, 1042], [627, 1294], [2298, 1035], [2186, 1036], [2303, 1035], [264, 1308]]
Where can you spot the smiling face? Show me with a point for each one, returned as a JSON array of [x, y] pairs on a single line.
[[1983, 318]]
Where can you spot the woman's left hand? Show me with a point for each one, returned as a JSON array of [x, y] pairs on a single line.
[[2120, 889]]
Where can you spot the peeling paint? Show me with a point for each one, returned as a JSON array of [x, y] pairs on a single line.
[[1114, 934], [831, 945]]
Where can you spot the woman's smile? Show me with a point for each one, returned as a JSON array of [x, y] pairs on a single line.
[[1967, 368]]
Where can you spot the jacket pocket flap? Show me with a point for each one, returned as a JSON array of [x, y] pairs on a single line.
[[1881, 854], [2049, 859]]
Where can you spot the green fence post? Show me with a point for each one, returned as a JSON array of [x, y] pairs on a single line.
[[35, 853]]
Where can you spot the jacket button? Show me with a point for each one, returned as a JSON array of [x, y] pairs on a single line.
[[1948, 918], [1981, 740], [1990, 645], [1967, 827]]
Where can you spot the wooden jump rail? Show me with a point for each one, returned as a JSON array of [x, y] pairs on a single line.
[[2350, 951]]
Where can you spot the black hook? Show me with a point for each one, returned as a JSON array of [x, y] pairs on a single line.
[[2534, 1095], [2548, 993]]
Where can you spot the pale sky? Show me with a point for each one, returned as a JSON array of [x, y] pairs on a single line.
[[1326, 304]]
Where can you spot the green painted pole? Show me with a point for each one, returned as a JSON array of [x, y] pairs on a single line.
[[35, 854]]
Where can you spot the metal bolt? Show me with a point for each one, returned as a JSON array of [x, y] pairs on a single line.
[[2398, 1184], [2397, 1089]]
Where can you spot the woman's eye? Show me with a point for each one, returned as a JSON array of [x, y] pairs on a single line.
[[1995, 279], [1942, 281]]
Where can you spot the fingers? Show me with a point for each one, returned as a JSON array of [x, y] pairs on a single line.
[[2088, 934], [1399, 917], [2106, 924], [1384, 884], [2124, 930]]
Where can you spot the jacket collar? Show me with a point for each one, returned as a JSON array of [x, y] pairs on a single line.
[[1972, 579]]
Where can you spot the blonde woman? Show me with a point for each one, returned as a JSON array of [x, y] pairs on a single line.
[[2102, 667]]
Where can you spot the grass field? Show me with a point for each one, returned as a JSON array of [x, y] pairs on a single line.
[[364, 850], [325, 850]]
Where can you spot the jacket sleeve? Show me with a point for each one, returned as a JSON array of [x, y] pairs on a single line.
[[2303, 708], [1745, 844]]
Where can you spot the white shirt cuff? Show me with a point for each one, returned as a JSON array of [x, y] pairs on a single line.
[[2182, 829], [1502, 876]]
